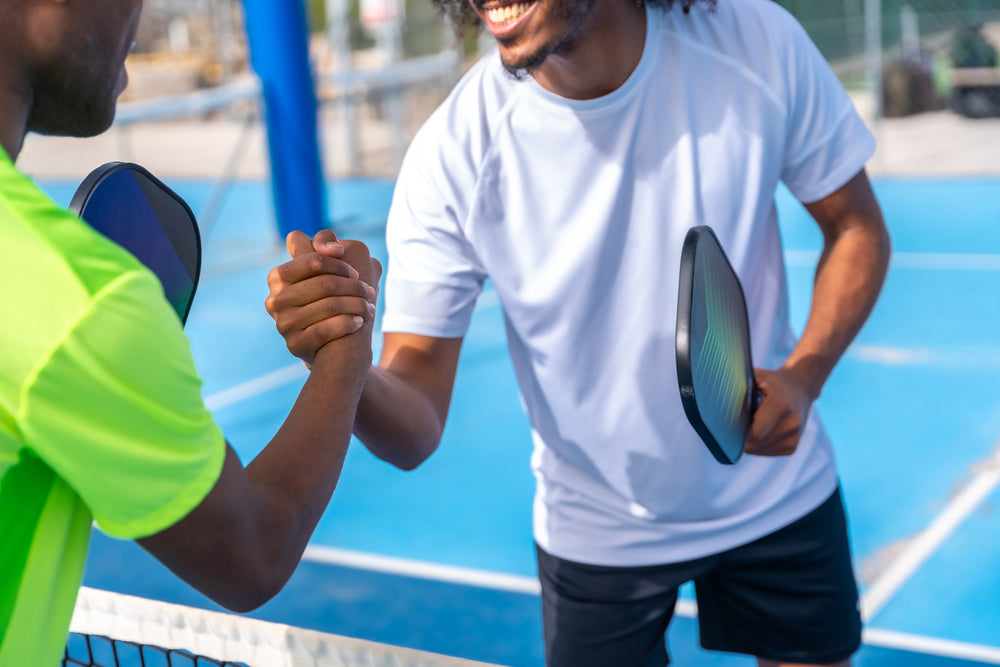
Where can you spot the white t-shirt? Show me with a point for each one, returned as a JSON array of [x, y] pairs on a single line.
[[576, 211]]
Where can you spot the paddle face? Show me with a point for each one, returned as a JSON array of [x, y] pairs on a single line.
[[714, 365], [134, 209]]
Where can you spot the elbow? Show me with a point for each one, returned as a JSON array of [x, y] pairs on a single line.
[[247, 601], [411, 459], [245, 574], [245, 592], [409, 464], [411, 456]]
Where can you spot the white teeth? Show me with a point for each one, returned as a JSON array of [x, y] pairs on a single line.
[[507, 14]]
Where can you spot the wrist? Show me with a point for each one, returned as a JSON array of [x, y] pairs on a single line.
[[808, 372]]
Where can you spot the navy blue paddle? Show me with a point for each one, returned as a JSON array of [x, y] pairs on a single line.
[[137, 211]]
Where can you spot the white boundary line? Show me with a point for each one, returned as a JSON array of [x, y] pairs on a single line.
[[685, 608], [256, 386], [927, 542], [423, 570], [945, 648], [265, 383], [875, 598]]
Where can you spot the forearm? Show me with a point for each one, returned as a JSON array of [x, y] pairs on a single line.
[[242, 543], [295, 475], [848, 279], [397, 421]]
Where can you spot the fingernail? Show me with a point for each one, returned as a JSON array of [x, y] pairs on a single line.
[[331, 244], [369, 292], [353, 272], [358, 321], [371, 309]]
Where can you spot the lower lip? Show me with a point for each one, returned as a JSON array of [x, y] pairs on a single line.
[[505, 30]]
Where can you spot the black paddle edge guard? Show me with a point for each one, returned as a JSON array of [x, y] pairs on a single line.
[[93, 180], [682, 341]]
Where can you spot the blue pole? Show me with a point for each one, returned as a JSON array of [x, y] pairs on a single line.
[[278, 40]]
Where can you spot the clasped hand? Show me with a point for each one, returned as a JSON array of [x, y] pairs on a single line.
[[328, 290]]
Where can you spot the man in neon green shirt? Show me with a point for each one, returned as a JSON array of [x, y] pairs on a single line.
[[101, 415]]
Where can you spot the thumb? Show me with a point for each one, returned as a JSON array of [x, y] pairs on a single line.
[[298, 243], [325, 242]]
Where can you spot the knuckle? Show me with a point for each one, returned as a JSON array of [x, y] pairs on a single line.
[[314, 262], [285, 326]]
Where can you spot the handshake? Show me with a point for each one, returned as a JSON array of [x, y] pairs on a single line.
[[327, 291]]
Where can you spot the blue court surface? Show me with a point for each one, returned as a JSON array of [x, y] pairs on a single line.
[[441, 559]]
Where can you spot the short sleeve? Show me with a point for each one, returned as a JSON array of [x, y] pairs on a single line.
[[434, 275], [827, 142], [116, 410]]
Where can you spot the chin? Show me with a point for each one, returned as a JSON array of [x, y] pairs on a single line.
[[73, 122]]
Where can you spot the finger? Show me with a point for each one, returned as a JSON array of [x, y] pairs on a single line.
[[782, 449], [765, 419], [316, 288], [778, 443], [307, 342], [298, 243], [292, 321], [327, 243], [310, 265], [782, 440]]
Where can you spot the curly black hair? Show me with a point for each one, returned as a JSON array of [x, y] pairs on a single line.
[[461, 15]]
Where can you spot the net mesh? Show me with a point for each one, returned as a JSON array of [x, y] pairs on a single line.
[[114, 630]]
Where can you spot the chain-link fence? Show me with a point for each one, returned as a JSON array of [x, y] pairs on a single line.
[[924, 49], [903, 60], [192, 106], [925, 73]]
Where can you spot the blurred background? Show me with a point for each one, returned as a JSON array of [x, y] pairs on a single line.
[[924, 73]]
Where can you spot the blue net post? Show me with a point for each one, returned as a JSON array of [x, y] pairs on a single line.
[[277, 34]]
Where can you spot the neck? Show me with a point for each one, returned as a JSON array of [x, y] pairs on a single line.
[[608, 49]]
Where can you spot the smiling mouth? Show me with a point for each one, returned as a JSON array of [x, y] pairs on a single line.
[[506, 14]]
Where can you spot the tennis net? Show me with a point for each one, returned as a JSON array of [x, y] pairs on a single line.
[[115, 630]]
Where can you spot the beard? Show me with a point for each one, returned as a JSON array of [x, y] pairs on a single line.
[[78, 100], [575, 14]]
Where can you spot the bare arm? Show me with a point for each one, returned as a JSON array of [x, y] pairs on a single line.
[[242, 543], [404, 406], [849, 277], [405, 402]]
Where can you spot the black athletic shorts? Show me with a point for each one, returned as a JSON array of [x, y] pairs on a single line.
[[789, 596]]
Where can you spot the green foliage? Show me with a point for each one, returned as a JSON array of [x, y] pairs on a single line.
[[316, 14]]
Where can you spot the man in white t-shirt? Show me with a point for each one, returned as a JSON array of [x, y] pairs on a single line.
[[566, 167]]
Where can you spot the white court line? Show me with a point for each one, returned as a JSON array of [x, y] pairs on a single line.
[[945, 648], [685, 608], [931, 261], [927, 542], [875, 597], [256, 386], [265, 383], [975, 357], [423, 570]]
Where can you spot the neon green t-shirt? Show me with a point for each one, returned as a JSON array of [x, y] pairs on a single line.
[[101, 414]]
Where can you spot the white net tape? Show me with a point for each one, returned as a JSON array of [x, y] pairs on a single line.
[[229, 637]]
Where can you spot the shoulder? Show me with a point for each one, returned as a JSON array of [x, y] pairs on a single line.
[[460, 132], [60, 267], [757, 42], [740, 28]]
